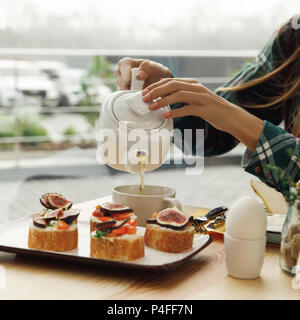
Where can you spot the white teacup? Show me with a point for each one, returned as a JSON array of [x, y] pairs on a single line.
[[153, 199]]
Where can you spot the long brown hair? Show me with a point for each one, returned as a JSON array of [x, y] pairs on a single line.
[[284, 80]]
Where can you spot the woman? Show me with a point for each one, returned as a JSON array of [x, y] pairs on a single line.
[[248, 109]]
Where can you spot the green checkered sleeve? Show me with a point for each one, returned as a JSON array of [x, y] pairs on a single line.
[[275, 147]]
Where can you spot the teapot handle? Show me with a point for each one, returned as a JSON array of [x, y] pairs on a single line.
[[172, 202], [136, 84]]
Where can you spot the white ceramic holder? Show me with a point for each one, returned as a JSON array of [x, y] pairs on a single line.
[[244, 258]]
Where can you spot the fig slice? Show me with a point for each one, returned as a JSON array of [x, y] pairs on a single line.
[[39, 222], [53, 215], [109, 208], [57, 201], [109, 226], [44, 201], [69, 216], [121, 224], [151, 221], [105, 225], [172, 218]]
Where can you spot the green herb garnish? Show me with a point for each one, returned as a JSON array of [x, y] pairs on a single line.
[[101, 234]]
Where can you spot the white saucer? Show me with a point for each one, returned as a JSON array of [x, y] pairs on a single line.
[[275, 224]]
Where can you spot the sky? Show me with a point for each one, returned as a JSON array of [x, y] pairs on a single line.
[[141, 20], [159, 9], [152, 8], [160, 12]]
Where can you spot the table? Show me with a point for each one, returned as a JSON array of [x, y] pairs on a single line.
[[203, 277]]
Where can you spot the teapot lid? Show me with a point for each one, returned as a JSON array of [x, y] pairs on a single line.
[[124, 114]]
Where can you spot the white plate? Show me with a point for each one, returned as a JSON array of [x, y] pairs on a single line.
[[14, 237]]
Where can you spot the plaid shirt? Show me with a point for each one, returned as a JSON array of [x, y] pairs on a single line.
[[272, 150], [274, 141]]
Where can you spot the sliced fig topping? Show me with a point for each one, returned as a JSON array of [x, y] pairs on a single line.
[[49, 216], [121, 224], [44, 201], [172, 218], [110, 227], [57, 201], [110, 208], [151, 221], [105, 225], [43, 212], [69, 216], [59, 213], [39, 222], [53, 215]]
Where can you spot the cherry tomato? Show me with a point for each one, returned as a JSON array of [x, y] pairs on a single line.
[[120, 231], [97, 213], [133, 222], [103, 219], [121, 216], [131, 230], [62, 225]]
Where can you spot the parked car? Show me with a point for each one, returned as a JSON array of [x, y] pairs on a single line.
[[53, 69], [23, 78], [69, 83]]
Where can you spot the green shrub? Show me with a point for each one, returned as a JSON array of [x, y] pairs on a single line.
[[24, 124], [29, 124], [100, 68], [6, 125], [69, 131]]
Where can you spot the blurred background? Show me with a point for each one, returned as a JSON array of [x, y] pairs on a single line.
[[57, 60]]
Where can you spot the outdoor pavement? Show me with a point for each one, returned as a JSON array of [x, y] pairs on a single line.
[[76, 174]]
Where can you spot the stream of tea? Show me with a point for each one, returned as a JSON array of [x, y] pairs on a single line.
[[142, 157]]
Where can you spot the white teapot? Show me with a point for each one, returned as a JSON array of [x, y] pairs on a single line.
[[129, 132]]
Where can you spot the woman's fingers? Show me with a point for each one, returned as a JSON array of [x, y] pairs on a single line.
[[144, 70], [156, 84], [188, 97], [166, 80], [171, 87], [182, 112], [123, 73]]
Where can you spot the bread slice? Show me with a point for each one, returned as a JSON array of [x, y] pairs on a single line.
[[93, 223], [169, 240], [122, 248], [53, 239]]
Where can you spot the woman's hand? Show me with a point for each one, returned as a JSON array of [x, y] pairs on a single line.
[[202, 102], [149, 71]]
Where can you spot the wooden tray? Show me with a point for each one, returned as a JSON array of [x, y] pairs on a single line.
[[14, 236]]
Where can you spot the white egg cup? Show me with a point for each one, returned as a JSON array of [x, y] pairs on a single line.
[[244, 258]]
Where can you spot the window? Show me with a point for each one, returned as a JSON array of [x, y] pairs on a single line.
[[48, 125]]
